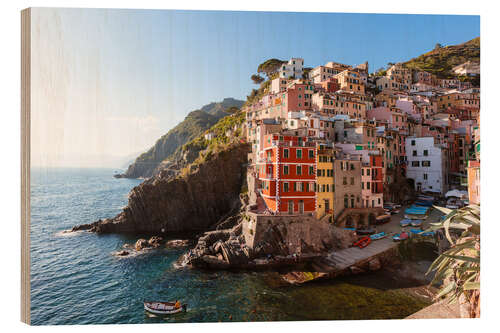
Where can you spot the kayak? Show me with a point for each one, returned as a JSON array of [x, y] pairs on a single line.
[[363, 242], [163, 308], [380, 235], [428, 233]]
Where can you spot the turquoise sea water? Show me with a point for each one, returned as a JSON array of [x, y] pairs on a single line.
[[76, 280]]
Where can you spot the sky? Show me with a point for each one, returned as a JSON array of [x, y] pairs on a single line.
[[106, 84]]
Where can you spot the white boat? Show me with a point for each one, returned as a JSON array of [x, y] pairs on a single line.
[[164, 308]]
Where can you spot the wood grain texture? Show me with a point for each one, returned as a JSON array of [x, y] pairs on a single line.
[[25, 162]]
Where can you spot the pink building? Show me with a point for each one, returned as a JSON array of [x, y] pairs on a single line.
[[391, 116]]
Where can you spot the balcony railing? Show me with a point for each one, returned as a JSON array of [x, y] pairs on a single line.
[[293, 144]]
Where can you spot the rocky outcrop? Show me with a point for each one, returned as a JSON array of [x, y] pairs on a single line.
[[286, 243], [141, 244], [194, 201]]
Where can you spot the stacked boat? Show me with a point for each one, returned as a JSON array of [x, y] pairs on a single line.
[[417, 212]]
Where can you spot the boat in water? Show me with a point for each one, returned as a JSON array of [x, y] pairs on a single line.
[[164, 308]]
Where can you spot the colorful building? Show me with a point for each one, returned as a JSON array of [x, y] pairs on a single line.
[[286, 169], [325, 185], [372, 182]]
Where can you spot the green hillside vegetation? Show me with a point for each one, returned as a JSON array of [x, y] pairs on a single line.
[[207, 148], [195, 123], [441, 60]]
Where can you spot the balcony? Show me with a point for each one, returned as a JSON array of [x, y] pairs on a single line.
[[293, 144]]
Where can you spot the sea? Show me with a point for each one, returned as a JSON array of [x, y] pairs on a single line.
[[76, 279]]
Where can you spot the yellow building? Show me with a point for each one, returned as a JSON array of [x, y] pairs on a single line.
[[325, 186]]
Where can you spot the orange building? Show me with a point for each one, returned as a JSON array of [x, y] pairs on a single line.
[[287, 174]]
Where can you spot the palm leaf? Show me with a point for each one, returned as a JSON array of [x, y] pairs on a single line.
[[471, 285]]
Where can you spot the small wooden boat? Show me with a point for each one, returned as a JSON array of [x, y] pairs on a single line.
[[400, 237], [405, 222], [164, 308], [428, 233], [363, 242], [380, 235], [415, 231], [416, 223], [383, 219]]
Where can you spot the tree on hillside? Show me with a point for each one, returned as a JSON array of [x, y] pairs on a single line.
[[270, 66], [438, 46], [257, 79], [232, 110]]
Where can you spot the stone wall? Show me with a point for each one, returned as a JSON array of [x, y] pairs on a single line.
[[294, 233]]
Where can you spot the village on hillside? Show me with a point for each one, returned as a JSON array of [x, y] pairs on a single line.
[[345, 146]]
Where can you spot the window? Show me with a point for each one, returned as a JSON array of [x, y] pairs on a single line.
[[414, 153], [346, 201], [299, 170], [363, 172], [412, 142], [285, 187], [311, 153], [299, 153], [367, 172], [426, 152], [285, 169], [425, 176], [426, 163], [344, 181], [352, 180], [415, 163], [285, 153], [352, 166], [367, 185], [311, 170], [362, 185]]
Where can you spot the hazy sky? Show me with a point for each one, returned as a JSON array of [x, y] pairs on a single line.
[[107, 83]]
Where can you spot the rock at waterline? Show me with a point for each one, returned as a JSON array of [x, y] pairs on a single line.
[[177, 243], [141, 244], [122, 253], [155, 241]]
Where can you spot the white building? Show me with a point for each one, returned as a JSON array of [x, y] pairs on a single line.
[[468, 68], [294, 68], [426, 164]]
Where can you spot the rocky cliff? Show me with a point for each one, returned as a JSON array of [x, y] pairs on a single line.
[[192, 201], [192, 126]]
